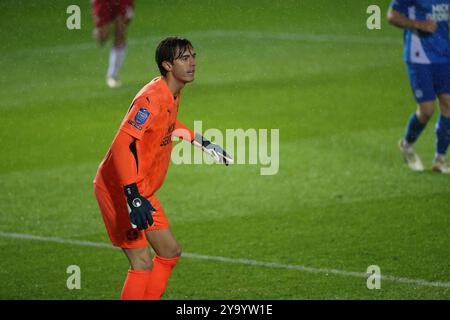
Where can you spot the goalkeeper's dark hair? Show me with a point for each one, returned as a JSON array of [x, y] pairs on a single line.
[[167, 51]]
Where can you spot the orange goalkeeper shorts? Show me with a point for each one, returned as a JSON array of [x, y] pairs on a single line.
[[117, 220]]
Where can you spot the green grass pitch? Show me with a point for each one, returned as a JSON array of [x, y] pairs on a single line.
[[343, 198]]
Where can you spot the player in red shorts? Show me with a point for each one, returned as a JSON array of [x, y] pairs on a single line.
[[135, 167], [117, 13]]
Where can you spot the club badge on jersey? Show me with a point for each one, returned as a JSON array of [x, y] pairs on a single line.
[[141, 116]]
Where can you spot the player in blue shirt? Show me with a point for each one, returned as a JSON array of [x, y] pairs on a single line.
[[427, 55]]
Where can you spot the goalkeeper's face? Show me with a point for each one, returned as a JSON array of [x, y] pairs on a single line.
[[183, 67]]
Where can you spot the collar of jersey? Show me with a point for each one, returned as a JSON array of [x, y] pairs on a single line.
[[168, 93]]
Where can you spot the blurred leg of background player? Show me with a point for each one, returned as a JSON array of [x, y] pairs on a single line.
[[117, 53], [427, 82], [116, 14], [442, 135], [416, 123], [102, 34], [148, 277]]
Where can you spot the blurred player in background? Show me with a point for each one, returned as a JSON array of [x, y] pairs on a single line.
[[135, 168], [427, 55], [112, 16]]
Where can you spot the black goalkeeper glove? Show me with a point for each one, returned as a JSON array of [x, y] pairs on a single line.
[[139, 208], [212, 149]]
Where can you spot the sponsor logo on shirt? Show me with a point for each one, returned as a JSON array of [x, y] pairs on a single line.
[[440, 12], [168, 137]]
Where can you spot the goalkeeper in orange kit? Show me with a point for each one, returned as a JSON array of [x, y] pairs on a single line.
[[135, 166]]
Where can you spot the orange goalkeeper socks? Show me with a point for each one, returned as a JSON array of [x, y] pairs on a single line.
[[148, 284], [162, 267], [135, 284]]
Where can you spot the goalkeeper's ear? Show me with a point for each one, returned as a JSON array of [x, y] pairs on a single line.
[[167, 66]]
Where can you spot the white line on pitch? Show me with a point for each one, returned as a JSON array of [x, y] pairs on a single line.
[[417, 282]]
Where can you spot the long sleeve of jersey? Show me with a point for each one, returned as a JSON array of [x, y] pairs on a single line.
[[182, 131], [123, 158]]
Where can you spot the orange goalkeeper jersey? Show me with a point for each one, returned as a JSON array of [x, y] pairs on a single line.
[[150, 120]]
